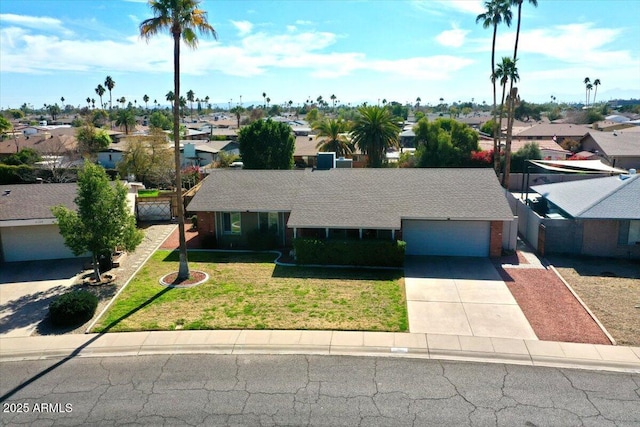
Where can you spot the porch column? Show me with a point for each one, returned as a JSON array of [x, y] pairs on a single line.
[[393, 234], [360, 233], [326, 233], [295, 232]]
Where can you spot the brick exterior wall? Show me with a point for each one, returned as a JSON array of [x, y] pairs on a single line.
[[495, 242], [206, 223]]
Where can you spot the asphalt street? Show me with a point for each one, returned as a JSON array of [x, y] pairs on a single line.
[[261, 390]]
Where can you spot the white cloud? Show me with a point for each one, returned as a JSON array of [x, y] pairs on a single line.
[[41, 23], [441, 7], [452, 38], [134, 18], [303, 22], [243, 27]]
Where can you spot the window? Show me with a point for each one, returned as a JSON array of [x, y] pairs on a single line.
[[629, 233], [268, 222], [231, 223]]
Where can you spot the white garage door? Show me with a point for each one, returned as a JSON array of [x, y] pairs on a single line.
[[34, 242], [451, 238]]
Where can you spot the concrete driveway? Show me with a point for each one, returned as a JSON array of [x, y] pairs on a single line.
[[27, 288], [461, 296]]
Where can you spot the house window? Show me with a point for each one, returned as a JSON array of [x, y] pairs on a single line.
[[629, 233], [231, 223], [268, 221]]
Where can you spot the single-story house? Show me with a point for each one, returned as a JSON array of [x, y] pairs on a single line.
[[28, 229], [620, 149], [206, 152], [598, 217], [553, 131], [457, 212]]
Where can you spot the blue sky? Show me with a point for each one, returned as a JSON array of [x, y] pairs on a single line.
[[295, 50]]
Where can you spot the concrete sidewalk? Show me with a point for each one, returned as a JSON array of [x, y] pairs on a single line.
[[426, 346]]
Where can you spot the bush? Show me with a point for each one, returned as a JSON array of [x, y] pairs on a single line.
[[73, 308], [20, 174], [380, 253], [261, 241]]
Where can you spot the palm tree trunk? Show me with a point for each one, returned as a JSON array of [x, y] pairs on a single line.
[[96, 268], [496, 128], [183, 270], [511, 106]]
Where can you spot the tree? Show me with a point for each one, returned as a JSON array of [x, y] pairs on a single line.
[[496, 12], [373, 132], [26, 156], [88, 101], [237, 111], [126, 119], [332, 137], [5, 125], [109, 83], [530, 151], [596, 83], [191, 97], [488, 127], [92, 140], [444, 143], [99, 118], [182, 18], [149, 158], [333, 100], [100, 91], [54, 110], [159, 120], [264, 97], [145, 98], [170, 96], [103, 220], [266, 144]]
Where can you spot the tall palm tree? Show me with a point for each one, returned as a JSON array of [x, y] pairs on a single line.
[[264, 97], [237, 111], [109, 84], [589, 87], [145, 98], [170, 96], [126, 119], [333, 100], [331, 137], [88, 102], [93, 103], [596, 83], [182, 18], [497, 11], [511, 73], [374, 132], [518, 3], [191, 97], [586, 82], [100, 91]]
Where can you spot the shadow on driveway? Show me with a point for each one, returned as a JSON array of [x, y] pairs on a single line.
[[443, 267], [37, 271]]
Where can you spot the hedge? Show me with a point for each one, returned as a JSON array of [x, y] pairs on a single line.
[[16, 174], [380, 253], [73, 308]]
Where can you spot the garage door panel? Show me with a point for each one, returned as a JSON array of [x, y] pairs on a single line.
[[450, 238], [33, 243]]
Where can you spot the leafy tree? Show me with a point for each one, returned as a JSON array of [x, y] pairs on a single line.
[[5, 125], [331, 137], [109, 84], [182, 19], [266, 144], [99, 118], [16, 114], [92, 140], [103, 220], [570, 145], [554, 114], [313, 115], [26, 156], [497, 11], [488, 127], [126, 119], [398, 110], [160, 120], [444, 143], [374, 132], [526, 111], [54, 110], [149, 158], [530, 151]]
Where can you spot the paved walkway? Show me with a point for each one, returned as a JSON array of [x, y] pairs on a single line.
[[461, 296]]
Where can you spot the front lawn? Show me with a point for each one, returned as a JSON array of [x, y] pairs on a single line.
[[247, 291]]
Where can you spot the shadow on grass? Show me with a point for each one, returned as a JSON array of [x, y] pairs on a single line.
[[223, 257], [597, 266], [335, 273]]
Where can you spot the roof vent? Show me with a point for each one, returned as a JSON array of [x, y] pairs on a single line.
[[6, 192], [632, 171]]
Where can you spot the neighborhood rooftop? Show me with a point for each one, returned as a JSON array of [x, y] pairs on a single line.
[[34, 201]]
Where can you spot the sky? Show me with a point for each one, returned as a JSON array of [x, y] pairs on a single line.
[[359, 51]]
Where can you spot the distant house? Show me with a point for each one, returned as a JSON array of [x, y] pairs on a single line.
[[620, 149], [598, 217], [458, 212], [552, 131], [203, 153]]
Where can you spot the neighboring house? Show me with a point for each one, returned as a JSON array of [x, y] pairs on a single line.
[[206, 152], [28, 229], [549, 149], [598, 217], [459, 212], [620, 149], [553, 131], [111, 156]]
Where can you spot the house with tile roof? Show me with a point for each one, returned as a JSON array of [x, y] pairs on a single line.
[[620, 148], [456, 212], [552, 131], [597, 217]]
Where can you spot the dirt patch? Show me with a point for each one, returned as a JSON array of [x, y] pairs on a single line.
[[191, 236], [551, 309], [611, 290]]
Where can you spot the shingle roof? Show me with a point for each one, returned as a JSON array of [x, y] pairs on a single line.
[[34, 201], [612, 197], [618, 143], [548, 130], [357, 198]]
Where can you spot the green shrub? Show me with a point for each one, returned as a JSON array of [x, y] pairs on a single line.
[[261, 241], [73, 308], [381, 253], [16, 174]]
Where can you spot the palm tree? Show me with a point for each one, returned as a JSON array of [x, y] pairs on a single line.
[[333, 100], [504, 72], [418, 101], [519, 4], [264, 97], [374, 132], [589, 87], [587, 82], [88, 102], [191, 97], [511, 73], [237, 110], [145, 98], [170, 96], [268, 101], [182, 18], [109, 84], [496, 12], [331, 137], [126, 119], [100, 91], [93, 103], [596, 83]]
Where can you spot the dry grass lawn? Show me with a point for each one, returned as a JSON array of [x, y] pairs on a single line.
[[611, 290], [249, 291]]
